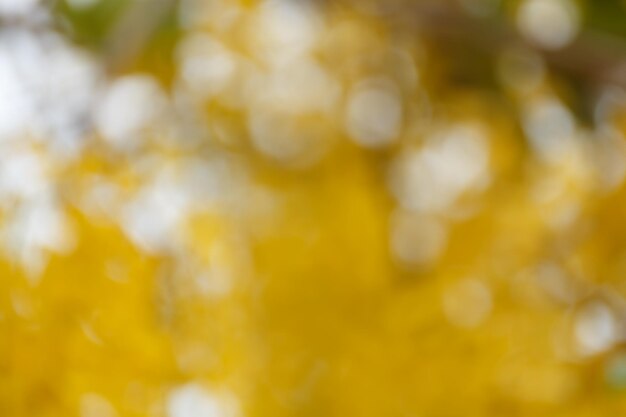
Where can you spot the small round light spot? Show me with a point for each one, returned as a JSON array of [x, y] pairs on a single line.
[[467, 303], [374, 113], [417, 239], [94, 405], [193, 400], [595, 328], [551, 24]]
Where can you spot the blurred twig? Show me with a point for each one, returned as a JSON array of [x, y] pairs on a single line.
[[597, 57], [134, 30]]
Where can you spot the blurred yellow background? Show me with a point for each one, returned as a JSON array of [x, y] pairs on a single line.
[[230, 208]]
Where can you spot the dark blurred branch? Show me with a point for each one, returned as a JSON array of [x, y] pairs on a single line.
[[134, 30], [595, 57]]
